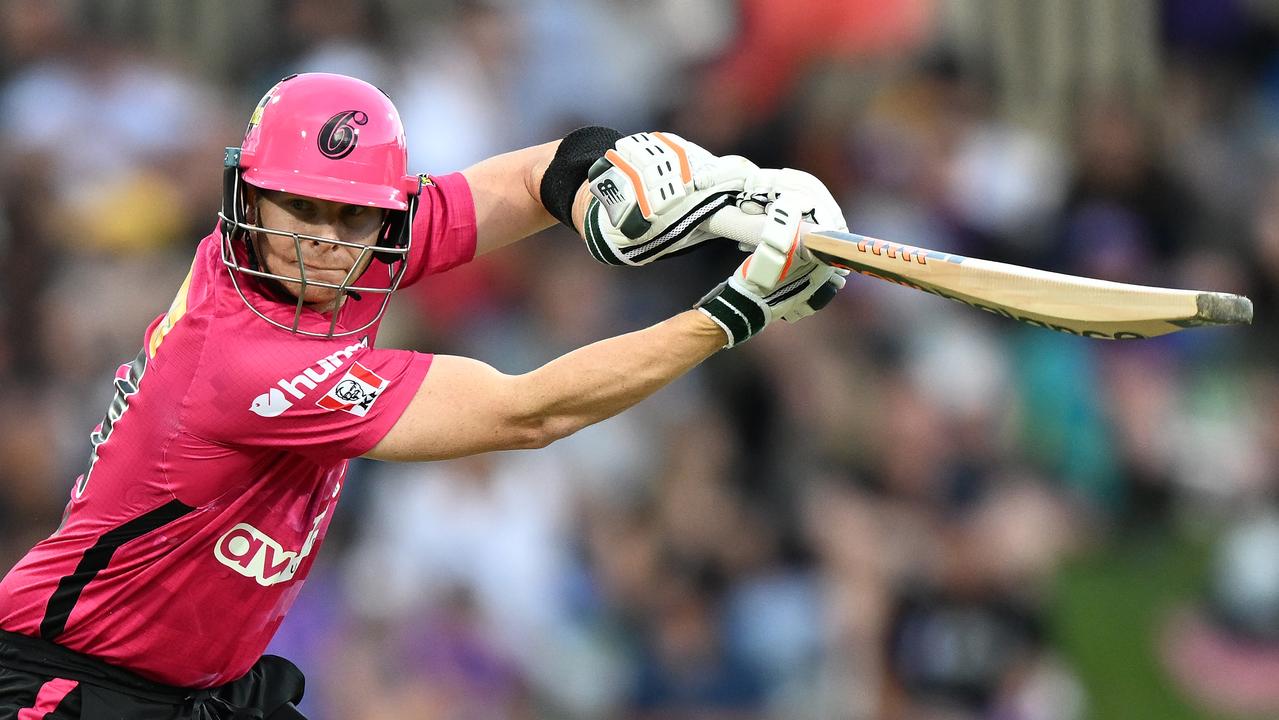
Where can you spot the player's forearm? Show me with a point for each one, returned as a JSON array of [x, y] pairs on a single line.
[[505, 189], [600, 380]]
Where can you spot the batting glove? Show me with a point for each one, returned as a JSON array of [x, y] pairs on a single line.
[[780, 279], [651, 193], [799, 189]]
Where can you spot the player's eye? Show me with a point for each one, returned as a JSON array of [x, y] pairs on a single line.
[[299, 205], [360, 218]]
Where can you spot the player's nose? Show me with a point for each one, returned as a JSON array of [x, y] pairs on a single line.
[[322, 236]]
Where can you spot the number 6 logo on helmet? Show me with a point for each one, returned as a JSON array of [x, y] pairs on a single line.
[[337, 138], [334, 138]]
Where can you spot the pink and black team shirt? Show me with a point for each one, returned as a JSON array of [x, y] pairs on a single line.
[[214, 475]]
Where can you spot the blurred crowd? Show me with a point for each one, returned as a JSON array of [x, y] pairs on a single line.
[[900, 509]]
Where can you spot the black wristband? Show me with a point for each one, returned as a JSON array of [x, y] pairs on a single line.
[[738, 315], [567, 171]]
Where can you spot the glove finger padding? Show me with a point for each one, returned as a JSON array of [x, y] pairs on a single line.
[[651, 193], [780, 279], [798, 188]]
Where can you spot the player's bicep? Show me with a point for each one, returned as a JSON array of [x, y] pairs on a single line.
[[463, 407]]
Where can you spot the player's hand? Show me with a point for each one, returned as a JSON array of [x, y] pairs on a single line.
[[798, 188], [780, 279], [651, 193]]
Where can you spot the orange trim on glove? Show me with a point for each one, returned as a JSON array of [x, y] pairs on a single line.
[[685, 170], [620, 163], [790, 254]]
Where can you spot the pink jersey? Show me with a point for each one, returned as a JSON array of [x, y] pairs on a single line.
[[214, 476]]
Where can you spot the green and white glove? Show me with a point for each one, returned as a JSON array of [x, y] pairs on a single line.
[[780, 279], [652, 192]]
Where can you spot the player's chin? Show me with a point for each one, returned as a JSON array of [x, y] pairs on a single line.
[[311, 295], [319, 298]]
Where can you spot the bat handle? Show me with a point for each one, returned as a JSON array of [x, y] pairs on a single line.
[[735, 225]]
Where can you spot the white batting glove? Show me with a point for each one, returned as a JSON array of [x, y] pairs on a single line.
[[651, 193], [797, 188], [780, 279]]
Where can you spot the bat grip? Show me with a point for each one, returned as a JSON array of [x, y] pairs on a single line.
[[735, 225]]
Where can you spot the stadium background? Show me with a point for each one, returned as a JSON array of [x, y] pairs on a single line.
[[900, 509]]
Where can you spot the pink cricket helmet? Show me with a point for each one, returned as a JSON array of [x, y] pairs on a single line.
[[334, 138], [331, 137]]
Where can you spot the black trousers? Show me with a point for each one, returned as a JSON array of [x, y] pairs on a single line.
[[40, 680]]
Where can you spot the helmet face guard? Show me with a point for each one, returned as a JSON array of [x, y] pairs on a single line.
[[305, 139]]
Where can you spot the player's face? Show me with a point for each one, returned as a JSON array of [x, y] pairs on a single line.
[[324, 262]]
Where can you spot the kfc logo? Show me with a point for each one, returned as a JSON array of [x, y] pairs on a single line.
[[355, 392], [349, 391]]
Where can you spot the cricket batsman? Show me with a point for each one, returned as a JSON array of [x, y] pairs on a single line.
[[213, 476]]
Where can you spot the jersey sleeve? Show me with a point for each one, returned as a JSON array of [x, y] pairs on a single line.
[[325, 400], [444, 230]]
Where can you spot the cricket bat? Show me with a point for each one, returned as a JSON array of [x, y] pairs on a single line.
[[1066, 303]]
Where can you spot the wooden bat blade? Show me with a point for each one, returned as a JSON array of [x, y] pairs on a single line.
[[1067, 303]]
